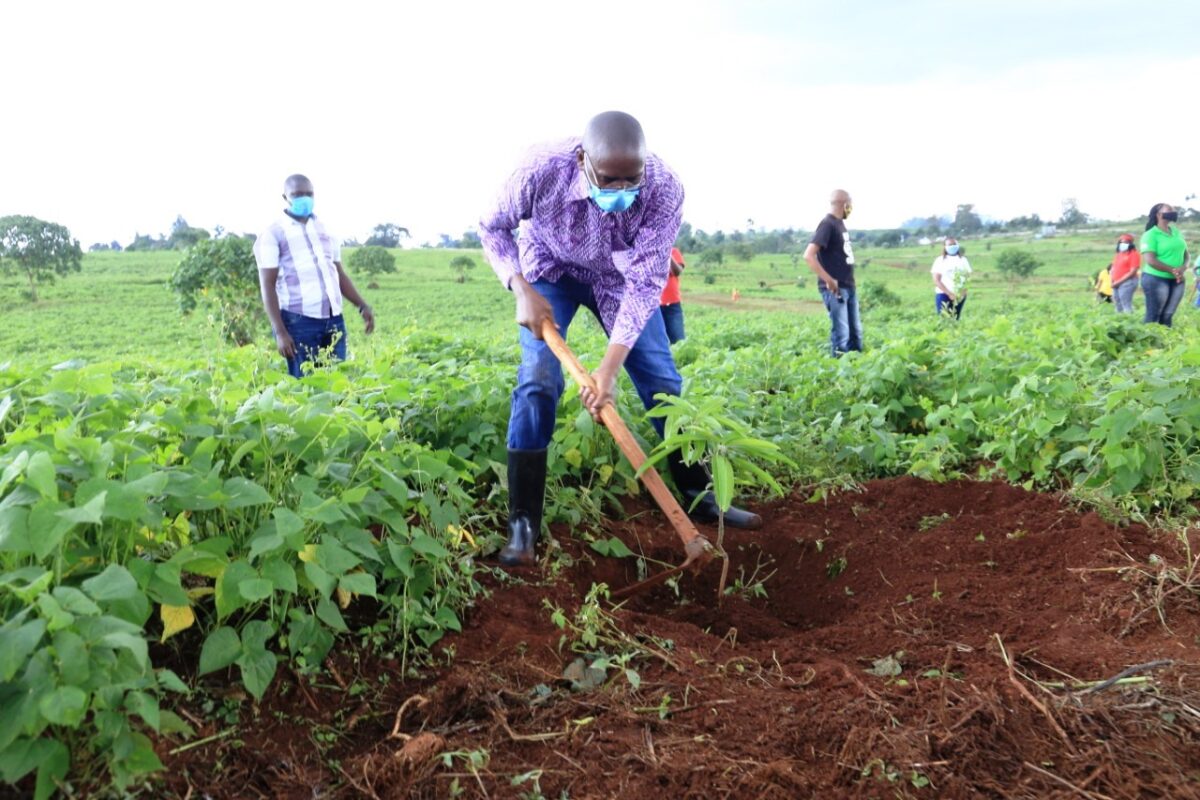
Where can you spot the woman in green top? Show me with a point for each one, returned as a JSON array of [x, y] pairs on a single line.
[[1164, 262]]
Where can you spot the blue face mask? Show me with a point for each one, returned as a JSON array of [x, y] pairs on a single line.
[[302, 206], [611, 200], [951, 249]]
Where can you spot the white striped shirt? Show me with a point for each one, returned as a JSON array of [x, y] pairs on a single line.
[[304, 254]]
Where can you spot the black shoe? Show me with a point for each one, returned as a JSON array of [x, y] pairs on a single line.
[[691, 480], [526, 494]]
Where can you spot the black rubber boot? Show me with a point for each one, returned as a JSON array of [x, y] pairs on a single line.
[[526, 494], [691, 480]]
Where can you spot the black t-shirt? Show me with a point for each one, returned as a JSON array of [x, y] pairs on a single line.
[[836, 256]]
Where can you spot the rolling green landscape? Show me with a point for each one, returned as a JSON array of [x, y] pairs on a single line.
[[178, 517]]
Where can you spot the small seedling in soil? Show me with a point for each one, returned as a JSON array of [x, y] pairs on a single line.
[[937, 595], [1019, 533], [928, 523], [753, 586], [836, 566], [979, 537]]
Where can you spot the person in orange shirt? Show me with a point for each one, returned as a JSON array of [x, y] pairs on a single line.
[[672, 302], [1125, 268]]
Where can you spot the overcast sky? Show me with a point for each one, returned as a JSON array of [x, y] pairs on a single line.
[[120, 115]]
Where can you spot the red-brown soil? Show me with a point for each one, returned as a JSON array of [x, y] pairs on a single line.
[[770, 697]]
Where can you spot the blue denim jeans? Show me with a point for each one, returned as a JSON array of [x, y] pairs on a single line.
[[314, 337], [942, 300], [672, 315], [845, 325], [540, 378], [1123, 295], [1162, 298]]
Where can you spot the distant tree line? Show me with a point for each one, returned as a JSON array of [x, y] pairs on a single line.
[[182, 237]]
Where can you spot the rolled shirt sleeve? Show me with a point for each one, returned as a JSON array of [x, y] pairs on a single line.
[[496, 228]]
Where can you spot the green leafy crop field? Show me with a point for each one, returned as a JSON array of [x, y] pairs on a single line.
[[172, 507]]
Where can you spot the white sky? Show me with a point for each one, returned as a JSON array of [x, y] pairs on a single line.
[[120, 115]]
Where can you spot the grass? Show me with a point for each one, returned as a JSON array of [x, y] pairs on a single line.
[[121, 304]]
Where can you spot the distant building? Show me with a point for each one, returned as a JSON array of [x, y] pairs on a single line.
[[1049, 231], [925, 240]]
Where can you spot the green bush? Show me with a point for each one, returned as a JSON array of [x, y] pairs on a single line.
[[372, 260], [222, 276]]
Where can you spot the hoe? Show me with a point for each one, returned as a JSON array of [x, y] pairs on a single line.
[[697, 549]]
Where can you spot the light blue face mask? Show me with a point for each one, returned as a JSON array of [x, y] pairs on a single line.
[[610, 200], [302, 206], [952, 249]]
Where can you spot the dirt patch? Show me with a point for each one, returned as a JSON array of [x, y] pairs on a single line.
[[911, 640]]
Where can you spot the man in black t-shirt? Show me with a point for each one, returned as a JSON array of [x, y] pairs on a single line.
[[830, 256]]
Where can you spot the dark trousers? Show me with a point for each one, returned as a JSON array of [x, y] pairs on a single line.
[[314, 339]]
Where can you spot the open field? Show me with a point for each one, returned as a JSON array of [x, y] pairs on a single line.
[[218, 581]]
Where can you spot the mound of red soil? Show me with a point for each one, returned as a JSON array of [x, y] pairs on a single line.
[[911, 640]]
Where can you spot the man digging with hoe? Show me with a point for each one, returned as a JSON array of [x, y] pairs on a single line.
[[597, 217]]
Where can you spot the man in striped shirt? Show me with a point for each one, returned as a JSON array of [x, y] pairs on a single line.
[[302, 281]]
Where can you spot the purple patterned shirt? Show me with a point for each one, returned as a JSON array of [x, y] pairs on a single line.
[[623, 256]]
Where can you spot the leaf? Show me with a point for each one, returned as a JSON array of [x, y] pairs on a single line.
[[255, 589], [287, 522], [145, 706], [241, 493], [171, 682], [281, 575], [722, 474], [258, 670], [17, 465], [426, 545], [264, 543], [612, 547], [114, 583], [64, 706], [221, 648], [446, 617], [40, 475], [175, 619], [55, 761], [328, 613], [229, 598], [358, 583], [16, 643], [322, 580], [141, 758], [14, 531], [90, 513]]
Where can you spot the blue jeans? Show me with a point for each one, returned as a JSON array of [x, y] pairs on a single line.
[[845, 325], [941, 301], [314, 338], [1162, 298], [1123, 295], [540, 378], [673, 319]]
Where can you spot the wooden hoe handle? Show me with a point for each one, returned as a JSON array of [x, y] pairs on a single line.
[[693, 542]]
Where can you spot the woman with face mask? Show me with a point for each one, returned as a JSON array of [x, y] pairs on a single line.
[[1164, 264], [1125, 270], [950, 272]]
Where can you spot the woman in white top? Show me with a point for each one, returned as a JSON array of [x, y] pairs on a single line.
[[950, 272]]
